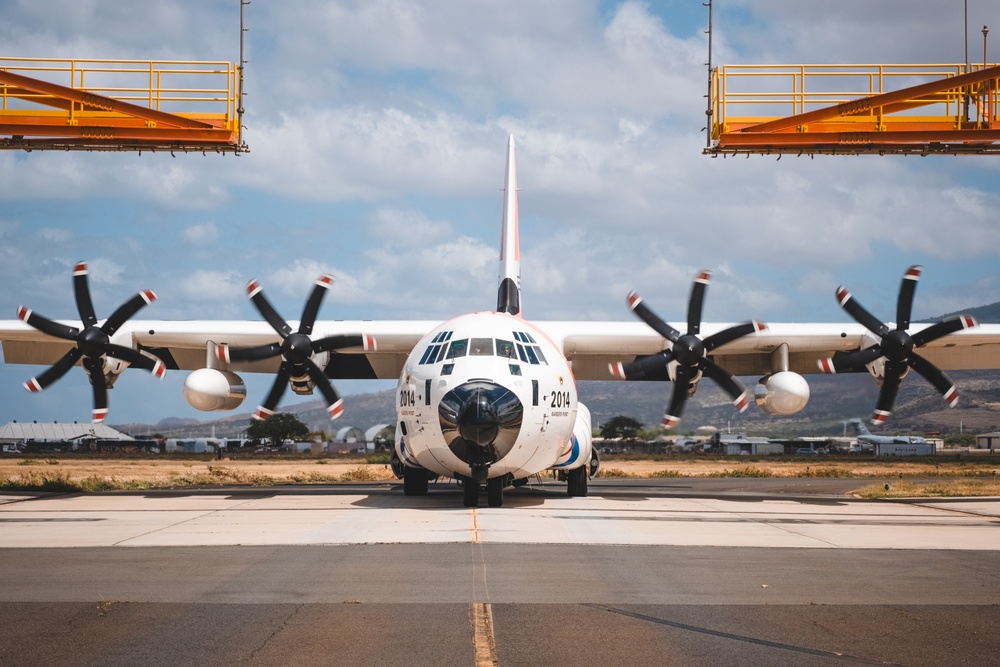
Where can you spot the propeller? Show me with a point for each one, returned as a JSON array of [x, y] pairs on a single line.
[[689, 352], [295, 349], [92, 343], [896, 346]]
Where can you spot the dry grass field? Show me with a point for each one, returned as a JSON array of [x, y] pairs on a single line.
[[948, 475]]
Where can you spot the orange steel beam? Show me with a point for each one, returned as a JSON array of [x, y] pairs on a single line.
[[28, 119], [109, 132], [866, 104], [99, 101], [901, 137]]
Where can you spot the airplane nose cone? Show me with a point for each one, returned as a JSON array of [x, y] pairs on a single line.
[[480, 421]]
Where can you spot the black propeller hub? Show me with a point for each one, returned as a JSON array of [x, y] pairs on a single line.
[[897, 345], [296, 348], [688, 350], [92, 341]]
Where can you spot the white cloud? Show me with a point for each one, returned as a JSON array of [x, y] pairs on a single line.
[[203, 234]]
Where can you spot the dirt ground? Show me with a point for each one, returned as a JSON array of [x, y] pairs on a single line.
[[161, 471]]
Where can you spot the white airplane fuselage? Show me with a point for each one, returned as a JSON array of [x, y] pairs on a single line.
[[486, 395]]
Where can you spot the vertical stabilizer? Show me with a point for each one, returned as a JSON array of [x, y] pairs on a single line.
[[509, 292], [860, 428]]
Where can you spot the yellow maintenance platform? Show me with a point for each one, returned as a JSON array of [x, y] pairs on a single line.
[[854, 109], [120, 105]]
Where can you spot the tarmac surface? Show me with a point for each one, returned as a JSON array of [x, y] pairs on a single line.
[[641, 572]]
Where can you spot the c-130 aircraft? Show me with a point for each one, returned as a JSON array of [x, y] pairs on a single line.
[[490, 398]]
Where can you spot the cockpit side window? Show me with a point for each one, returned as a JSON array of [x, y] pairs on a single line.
[[528, 350], [458, 348], [505, 349], [436, 350]]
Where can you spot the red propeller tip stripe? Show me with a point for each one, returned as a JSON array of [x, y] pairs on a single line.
[[759, 326], [669, 421], [252, 288], [222, 352], [262, 413], [32, 385], [968, 321], [99, 415], [743, 401], [23, 313], [633, 300], [913, 273], [149, 296], [843, 296], [617, 370], [325, 280], [80, 269], [951, 396], [370, 343], [336, 409], [826, 365], [704, 277], [880, 416], [159, 369]]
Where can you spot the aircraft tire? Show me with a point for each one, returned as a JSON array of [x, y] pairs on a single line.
[[576, 482], [470, 491], [414, 482], [494, 492]]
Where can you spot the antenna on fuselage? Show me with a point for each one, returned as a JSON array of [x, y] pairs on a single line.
[[509, 292]]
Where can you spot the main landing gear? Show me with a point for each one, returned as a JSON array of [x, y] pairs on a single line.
[[494, 491], [576, 482], [415, 481]]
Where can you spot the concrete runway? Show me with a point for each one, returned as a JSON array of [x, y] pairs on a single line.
[[642, 572]]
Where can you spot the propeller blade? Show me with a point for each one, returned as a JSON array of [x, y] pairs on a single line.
[[270, 404], [95, 369], [943, 328], [682, 384], [936, 377], [81, 290], [887, 394], [267, 311], [726, 380], [646, 314], [696, 302], [54, 372], [323, 283], [732, 333], [137, 359], [850, 362], [334, 403], [642, 366], [228, 354], [904, 303], [127, 310], [860, 315], [45, 325], [342, 341]]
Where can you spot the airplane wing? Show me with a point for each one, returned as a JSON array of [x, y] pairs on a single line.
[[591, 346], [186, 345]]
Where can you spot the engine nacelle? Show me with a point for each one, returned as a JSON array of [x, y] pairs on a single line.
[[208, 389], [783, 393], [579, 449]]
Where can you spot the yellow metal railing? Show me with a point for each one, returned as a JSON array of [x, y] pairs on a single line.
[[744, 95], [208, 91]]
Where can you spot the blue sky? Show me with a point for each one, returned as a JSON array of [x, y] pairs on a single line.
[[377, 133]]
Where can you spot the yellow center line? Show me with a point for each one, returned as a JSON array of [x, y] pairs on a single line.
[[484, 645]]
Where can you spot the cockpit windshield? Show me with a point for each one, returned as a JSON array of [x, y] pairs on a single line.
[[524, 349]]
